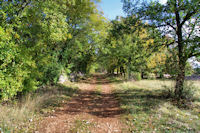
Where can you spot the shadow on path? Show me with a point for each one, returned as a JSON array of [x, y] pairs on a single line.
[[100, 105], [101, 79]]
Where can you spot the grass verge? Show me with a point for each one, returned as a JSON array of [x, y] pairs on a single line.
[[23, 115], [146, 110]]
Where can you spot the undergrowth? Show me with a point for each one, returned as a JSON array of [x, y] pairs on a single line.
[[23, 115]]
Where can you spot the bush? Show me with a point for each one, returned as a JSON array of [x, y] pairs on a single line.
[[197, 71], [151, 76], [52, 73], [188, 92], [12, 71], [137, 76]]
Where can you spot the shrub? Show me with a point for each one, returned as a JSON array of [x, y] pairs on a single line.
[[151, 76], [12, 72], [137, 76], [188, 92], [52, 73]]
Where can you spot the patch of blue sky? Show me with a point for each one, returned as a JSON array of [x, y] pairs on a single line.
[[114, 8]]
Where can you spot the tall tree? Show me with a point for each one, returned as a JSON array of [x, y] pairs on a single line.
[[39, 39], [177, 18]]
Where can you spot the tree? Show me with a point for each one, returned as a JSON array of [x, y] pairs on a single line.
[[177, 18], [126, 51], [40, 39], [87, 26]]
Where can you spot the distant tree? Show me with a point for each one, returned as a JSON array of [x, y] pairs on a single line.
[[127, 50], [178, 19]]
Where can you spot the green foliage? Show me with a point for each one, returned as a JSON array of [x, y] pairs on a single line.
[[171, 64], [197, 71], [137, 76], [188, 69], [39, 39], [52, 73], [189, 91], [177, 20], [188, 95], [126, 47], [12, 71], [151, 76]]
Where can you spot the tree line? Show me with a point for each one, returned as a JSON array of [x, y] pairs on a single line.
[[40, 40]]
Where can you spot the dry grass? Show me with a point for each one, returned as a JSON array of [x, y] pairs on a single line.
[[160, 83], [147, 111], [23, 116], [19, 117]]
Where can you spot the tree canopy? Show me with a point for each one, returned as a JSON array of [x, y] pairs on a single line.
[[40, 40], [178, 19]]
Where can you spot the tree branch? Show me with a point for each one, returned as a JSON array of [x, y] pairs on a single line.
[[192, 30], [24, 5], [168, 44], [194, 54], [171, 26], [187, 17]]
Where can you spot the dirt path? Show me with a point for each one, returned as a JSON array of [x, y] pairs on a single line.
[[94, 110]]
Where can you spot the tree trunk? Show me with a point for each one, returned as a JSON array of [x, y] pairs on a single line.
[[181, 57], [128, 72], [180, 78], [142, 75], [128, 69], [179, 84]]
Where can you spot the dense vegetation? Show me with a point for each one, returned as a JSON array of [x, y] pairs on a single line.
[[145, 58], [40, 40]]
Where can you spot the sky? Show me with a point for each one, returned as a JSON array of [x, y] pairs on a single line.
[[113, 8]]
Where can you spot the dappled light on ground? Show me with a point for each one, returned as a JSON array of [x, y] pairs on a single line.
[[148, 110], [94, 109], [100, 105]]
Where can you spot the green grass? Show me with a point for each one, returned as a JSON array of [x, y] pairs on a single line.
[[24, 115], [81, 126], [146, 110]]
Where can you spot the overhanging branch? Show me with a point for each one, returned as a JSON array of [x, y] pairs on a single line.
[[187, 17]]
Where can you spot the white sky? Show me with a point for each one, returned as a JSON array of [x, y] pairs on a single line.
[[162, 1]]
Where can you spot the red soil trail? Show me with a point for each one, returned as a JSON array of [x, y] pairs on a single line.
[[100, 109]]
